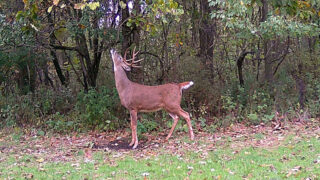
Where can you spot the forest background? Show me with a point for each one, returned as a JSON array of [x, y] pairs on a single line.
[[252, 61]]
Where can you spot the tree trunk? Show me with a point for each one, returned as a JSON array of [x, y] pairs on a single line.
[[268, 73], [126, 31], [206, 31], [97, 53], [240, 61], [137, 73], [53, 52], [194, 30], [206, 37]]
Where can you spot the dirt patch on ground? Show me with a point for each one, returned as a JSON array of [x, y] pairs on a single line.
[[119, 144]]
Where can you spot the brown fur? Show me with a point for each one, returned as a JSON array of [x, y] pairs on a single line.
[[140, 98]]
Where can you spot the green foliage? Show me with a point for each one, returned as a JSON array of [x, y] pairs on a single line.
[[61, 123], [16, 110], [160, 13], [238, 16], [313, 96], [169, 36], [146, 124], [8, 115], [98, 109], [34, 108]]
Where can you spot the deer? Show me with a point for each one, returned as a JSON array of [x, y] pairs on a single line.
[[142, 98]]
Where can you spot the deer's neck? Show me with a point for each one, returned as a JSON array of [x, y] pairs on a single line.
[[122, 81]]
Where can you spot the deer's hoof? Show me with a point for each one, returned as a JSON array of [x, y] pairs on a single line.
[[131, 144], [167, 139], [135, 146], [192, 137]]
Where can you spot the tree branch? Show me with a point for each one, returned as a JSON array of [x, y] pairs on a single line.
[[64, 47]]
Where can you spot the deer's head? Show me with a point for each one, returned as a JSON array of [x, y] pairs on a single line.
[[118, 61], [122, 62]]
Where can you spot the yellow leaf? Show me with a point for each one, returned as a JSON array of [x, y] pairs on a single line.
[[122, 4], [81, 26], [56, 2], [93, 5], [25, 1], [79, 6], [148, 27], [40, 160], [50, 9], [319, 13], [241, 2]]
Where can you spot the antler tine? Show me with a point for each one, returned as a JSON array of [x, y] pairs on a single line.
[[138, 60], [125, 54], [133, 62], [136, 66], [133, 55], [128, 64]]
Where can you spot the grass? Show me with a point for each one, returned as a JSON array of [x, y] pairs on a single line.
[[293, 159]]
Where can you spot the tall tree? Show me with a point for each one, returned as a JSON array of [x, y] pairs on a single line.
[[268, 73], [90, 26], [206, 30]]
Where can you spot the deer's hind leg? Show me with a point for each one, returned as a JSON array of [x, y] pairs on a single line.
[[175, 121], [186, 116]]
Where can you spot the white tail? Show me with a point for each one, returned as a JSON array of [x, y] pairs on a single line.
[[140, 98]]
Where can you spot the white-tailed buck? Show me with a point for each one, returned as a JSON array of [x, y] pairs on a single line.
[[140, 98]]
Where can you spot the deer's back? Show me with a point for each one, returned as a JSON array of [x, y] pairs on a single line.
[[152, 98]]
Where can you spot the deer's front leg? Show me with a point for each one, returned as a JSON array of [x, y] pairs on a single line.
[[132, 132], [134, 140]]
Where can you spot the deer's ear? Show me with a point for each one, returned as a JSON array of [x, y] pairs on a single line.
[[125, 67]]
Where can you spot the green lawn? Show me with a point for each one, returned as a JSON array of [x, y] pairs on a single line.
[[294, 158]]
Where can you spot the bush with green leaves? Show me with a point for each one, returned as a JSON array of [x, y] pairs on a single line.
[[61, 123], [98, 109], [34, 108]]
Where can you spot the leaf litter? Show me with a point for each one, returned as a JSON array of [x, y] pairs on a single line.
[[62, 148]]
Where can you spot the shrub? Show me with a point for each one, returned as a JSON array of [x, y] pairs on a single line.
[[99, 109], [34, 108]]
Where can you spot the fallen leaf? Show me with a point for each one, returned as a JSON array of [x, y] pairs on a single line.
[[79, 6], [56, 2], [50, 9], [42, 169], [88, 153], [40, 160], [294, 171]]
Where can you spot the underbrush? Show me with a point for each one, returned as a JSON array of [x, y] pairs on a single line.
[[64, 111]]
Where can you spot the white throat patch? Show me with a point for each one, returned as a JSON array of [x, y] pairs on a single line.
[[114, 68]]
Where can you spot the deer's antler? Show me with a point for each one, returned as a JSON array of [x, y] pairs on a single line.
[[133, 62]]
